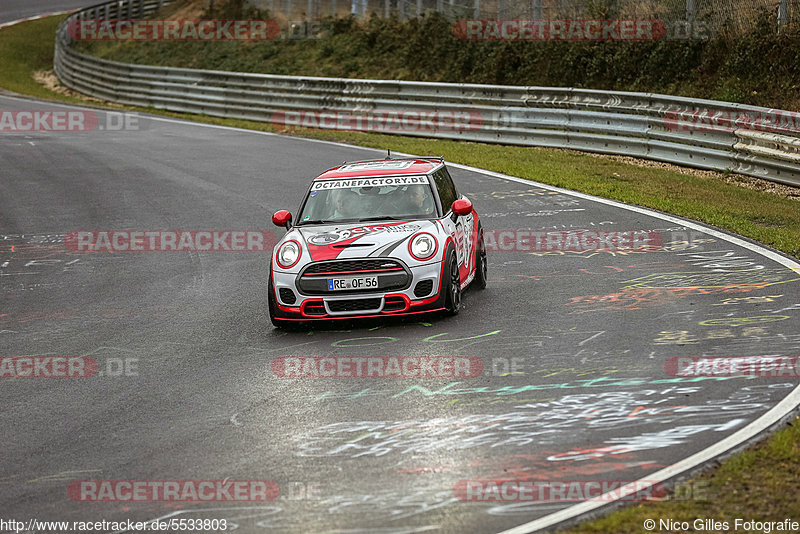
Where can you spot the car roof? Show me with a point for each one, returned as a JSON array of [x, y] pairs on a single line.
[[381, 167]]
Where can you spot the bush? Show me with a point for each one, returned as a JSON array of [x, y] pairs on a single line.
[[759, 68]]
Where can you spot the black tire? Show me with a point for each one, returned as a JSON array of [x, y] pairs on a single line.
[[452, 298], [481, 264], [273, 309]]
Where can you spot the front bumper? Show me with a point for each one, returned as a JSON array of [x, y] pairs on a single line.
[[411, 300]]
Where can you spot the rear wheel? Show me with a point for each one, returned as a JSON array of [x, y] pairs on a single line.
[[481, 265], [453, 288]]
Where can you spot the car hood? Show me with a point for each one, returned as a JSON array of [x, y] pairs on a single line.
[[359, 240]]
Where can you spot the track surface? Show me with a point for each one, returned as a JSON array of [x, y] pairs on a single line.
[[592, 330], [11, 10]]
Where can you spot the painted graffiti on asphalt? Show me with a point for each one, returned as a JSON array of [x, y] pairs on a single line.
[[534, 424]]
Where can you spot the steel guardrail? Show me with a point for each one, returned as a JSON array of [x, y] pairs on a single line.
[[645, 125]]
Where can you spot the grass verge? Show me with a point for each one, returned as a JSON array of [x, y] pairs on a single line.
[[25, 49], [760, 483]]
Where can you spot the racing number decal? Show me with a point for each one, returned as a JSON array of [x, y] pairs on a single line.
[[467, 230], [464, 242], [458, 238]]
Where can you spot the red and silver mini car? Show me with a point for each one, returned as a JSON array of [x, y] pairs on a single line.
[[376, 238]]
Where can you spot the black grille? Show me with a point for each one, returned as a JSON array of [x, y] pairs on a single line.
[[423, 288], [354, 305], [394, 304], [315, 308], [287, 295], [353, 265], [392, 276]]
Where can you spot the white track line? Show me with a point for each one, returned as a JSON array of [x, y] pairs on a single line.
[[770, 418], [37, 17]]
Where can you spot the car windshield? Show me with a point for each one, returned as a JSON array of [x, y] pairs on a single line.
[[351, 200]]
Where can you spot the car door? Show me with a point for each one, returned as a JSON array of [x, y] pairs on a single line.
[[460, 230]]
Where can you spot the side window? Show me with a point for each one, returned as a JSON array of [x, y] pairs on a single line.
[[446, 189]]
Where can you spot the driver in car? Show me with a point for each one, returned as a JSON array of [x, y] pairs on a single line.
[[347, 205], [421, 203]]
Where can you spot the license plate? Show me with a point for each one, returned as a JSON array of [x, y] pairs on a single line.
[[363, 282]]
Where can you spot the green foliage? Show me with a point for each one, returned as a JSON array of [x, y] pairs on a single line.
[[759, 68]]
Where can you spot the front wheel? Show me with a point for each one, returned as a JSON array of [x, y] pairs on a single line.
[[453, 288]]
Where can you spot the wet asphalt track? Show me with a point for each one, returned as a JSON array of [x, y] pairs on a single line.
[[590, 399]]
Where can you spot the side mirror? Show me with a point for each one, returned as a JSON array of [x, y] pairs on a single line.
[[462, 207], [282, 218]]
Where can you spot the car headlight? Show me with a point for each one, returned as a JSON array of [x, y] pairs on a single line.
[[288, 254], [422, 246]]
